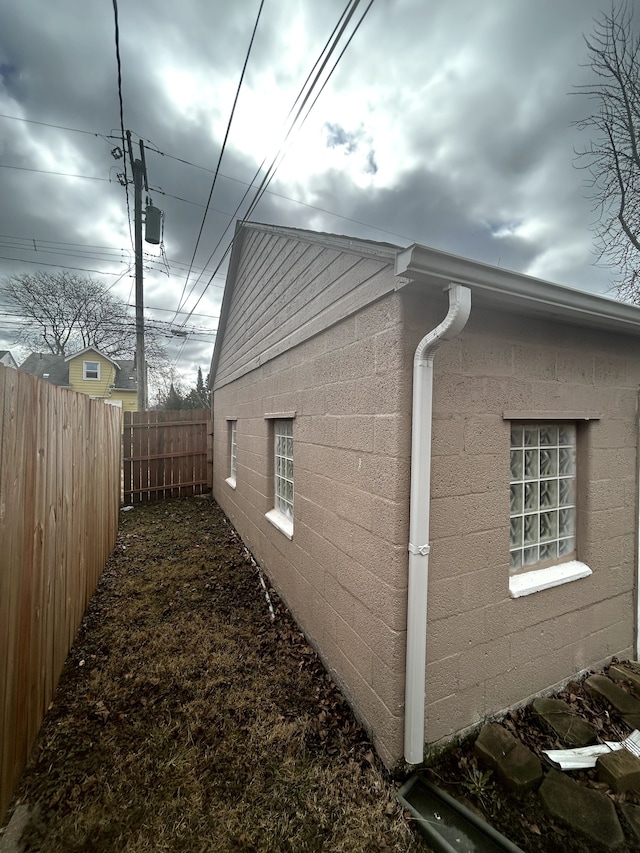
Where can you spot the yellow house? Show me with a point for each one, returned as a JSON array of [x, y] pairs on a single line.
[[89, 372]]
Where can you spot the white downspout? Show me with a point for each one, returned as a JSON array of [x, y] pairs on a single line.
[[453, 323]]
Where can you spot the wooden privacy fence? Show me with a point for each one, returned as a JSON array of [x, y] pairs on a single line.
[[59, 495], [166, 454]]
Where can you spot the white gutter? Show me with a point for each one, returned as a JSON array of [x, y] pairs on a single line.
[[453, 323], [514, 291]]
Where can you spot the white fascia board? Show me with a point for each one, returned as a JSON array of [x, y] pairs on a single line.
[[515, 290]]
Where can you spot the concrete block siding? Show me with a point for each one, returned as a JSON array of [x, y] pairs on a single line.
[[344, 572], [333, 342], [497, 651]]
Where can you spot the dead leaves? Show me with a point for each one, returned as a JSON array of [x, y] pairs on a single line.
[[193, 710], [101, 711]]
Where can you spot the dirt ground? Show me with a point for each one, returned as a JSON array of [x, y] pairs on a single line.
[[187, 719], [522, 819]]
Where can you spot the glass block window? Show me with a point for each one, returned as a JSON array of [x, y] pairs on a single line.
[[543, 493], [283, 465], [91, 369], [233, 448]]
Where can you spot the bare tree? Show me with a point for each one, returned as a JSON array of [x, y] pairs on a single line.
[[613, 156], [63, 313], [168, 388]]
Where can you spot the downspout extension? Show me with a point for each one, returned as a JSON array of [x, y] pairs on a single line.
[[421, 417]]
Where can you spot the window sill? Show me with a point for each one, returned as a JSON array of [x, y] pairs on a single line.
[[537, 580], [231, 481], [281, 522]]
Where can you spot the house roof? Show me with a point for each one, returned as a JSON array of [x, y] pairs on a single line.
[[434, 269], [7, 352], [55, 368], [45, 364], [126, 375], [357, 244], [94, 350]]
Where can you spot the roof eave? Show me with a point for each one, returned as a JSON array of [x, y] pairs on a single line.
[[97, 352], [515, 291]]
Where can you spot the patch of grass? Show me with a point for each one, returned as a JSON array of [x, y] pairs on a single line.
[[186, 720]]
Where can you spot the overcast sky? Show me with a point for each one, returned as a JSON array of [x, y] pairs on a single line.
[[446, 122]]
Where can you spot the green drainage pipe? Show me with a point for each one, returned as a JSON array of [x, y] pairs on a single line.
[[447, 824]]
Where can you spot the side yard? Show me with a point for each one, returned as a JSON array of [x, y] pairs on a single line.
[[187, 719]]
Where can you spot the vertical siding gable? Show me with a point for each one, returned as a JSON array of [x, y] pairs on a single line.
[[275, 290], [254, 253], [260, 252], [262, 267], [310, 296], [287, 290], [259, 280]]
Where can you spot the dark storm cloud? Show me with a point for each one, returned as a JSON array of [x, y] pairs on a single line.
[[467, 103]]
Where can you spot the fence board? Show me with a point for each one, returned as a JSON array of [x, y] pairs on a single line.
[[166, 454], [59, 490]]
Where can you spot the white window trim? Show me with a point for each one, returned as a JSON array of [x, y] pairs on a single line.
[[275, 516], [537, 580], [281, 522], [233, 452], [527, 581], [84, 371]]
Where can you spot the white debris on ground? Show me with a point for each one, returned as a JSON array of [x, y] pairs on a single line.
[[584, 757]]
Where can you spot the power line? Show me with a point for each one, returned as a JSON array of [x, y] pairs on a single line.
[[113, 323], [267, 179], [120, 102], [195, 166], [329, 46], [59, 242], [180, 351], [119, 328], [222, 149], [273, 167], [172, 262], [66, 253], [56, 250], [57, 126], [59, 266], [61, 174], [268, 192], [119, 255], [170, 310], [187, 200]]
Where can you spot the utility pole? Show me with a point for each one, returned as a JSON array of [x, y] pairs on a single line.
[[139, 175], [154, 225]]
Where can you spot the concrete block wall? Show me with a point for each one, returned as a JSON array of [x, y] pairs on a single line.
[[487, 651], [343, 574]]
